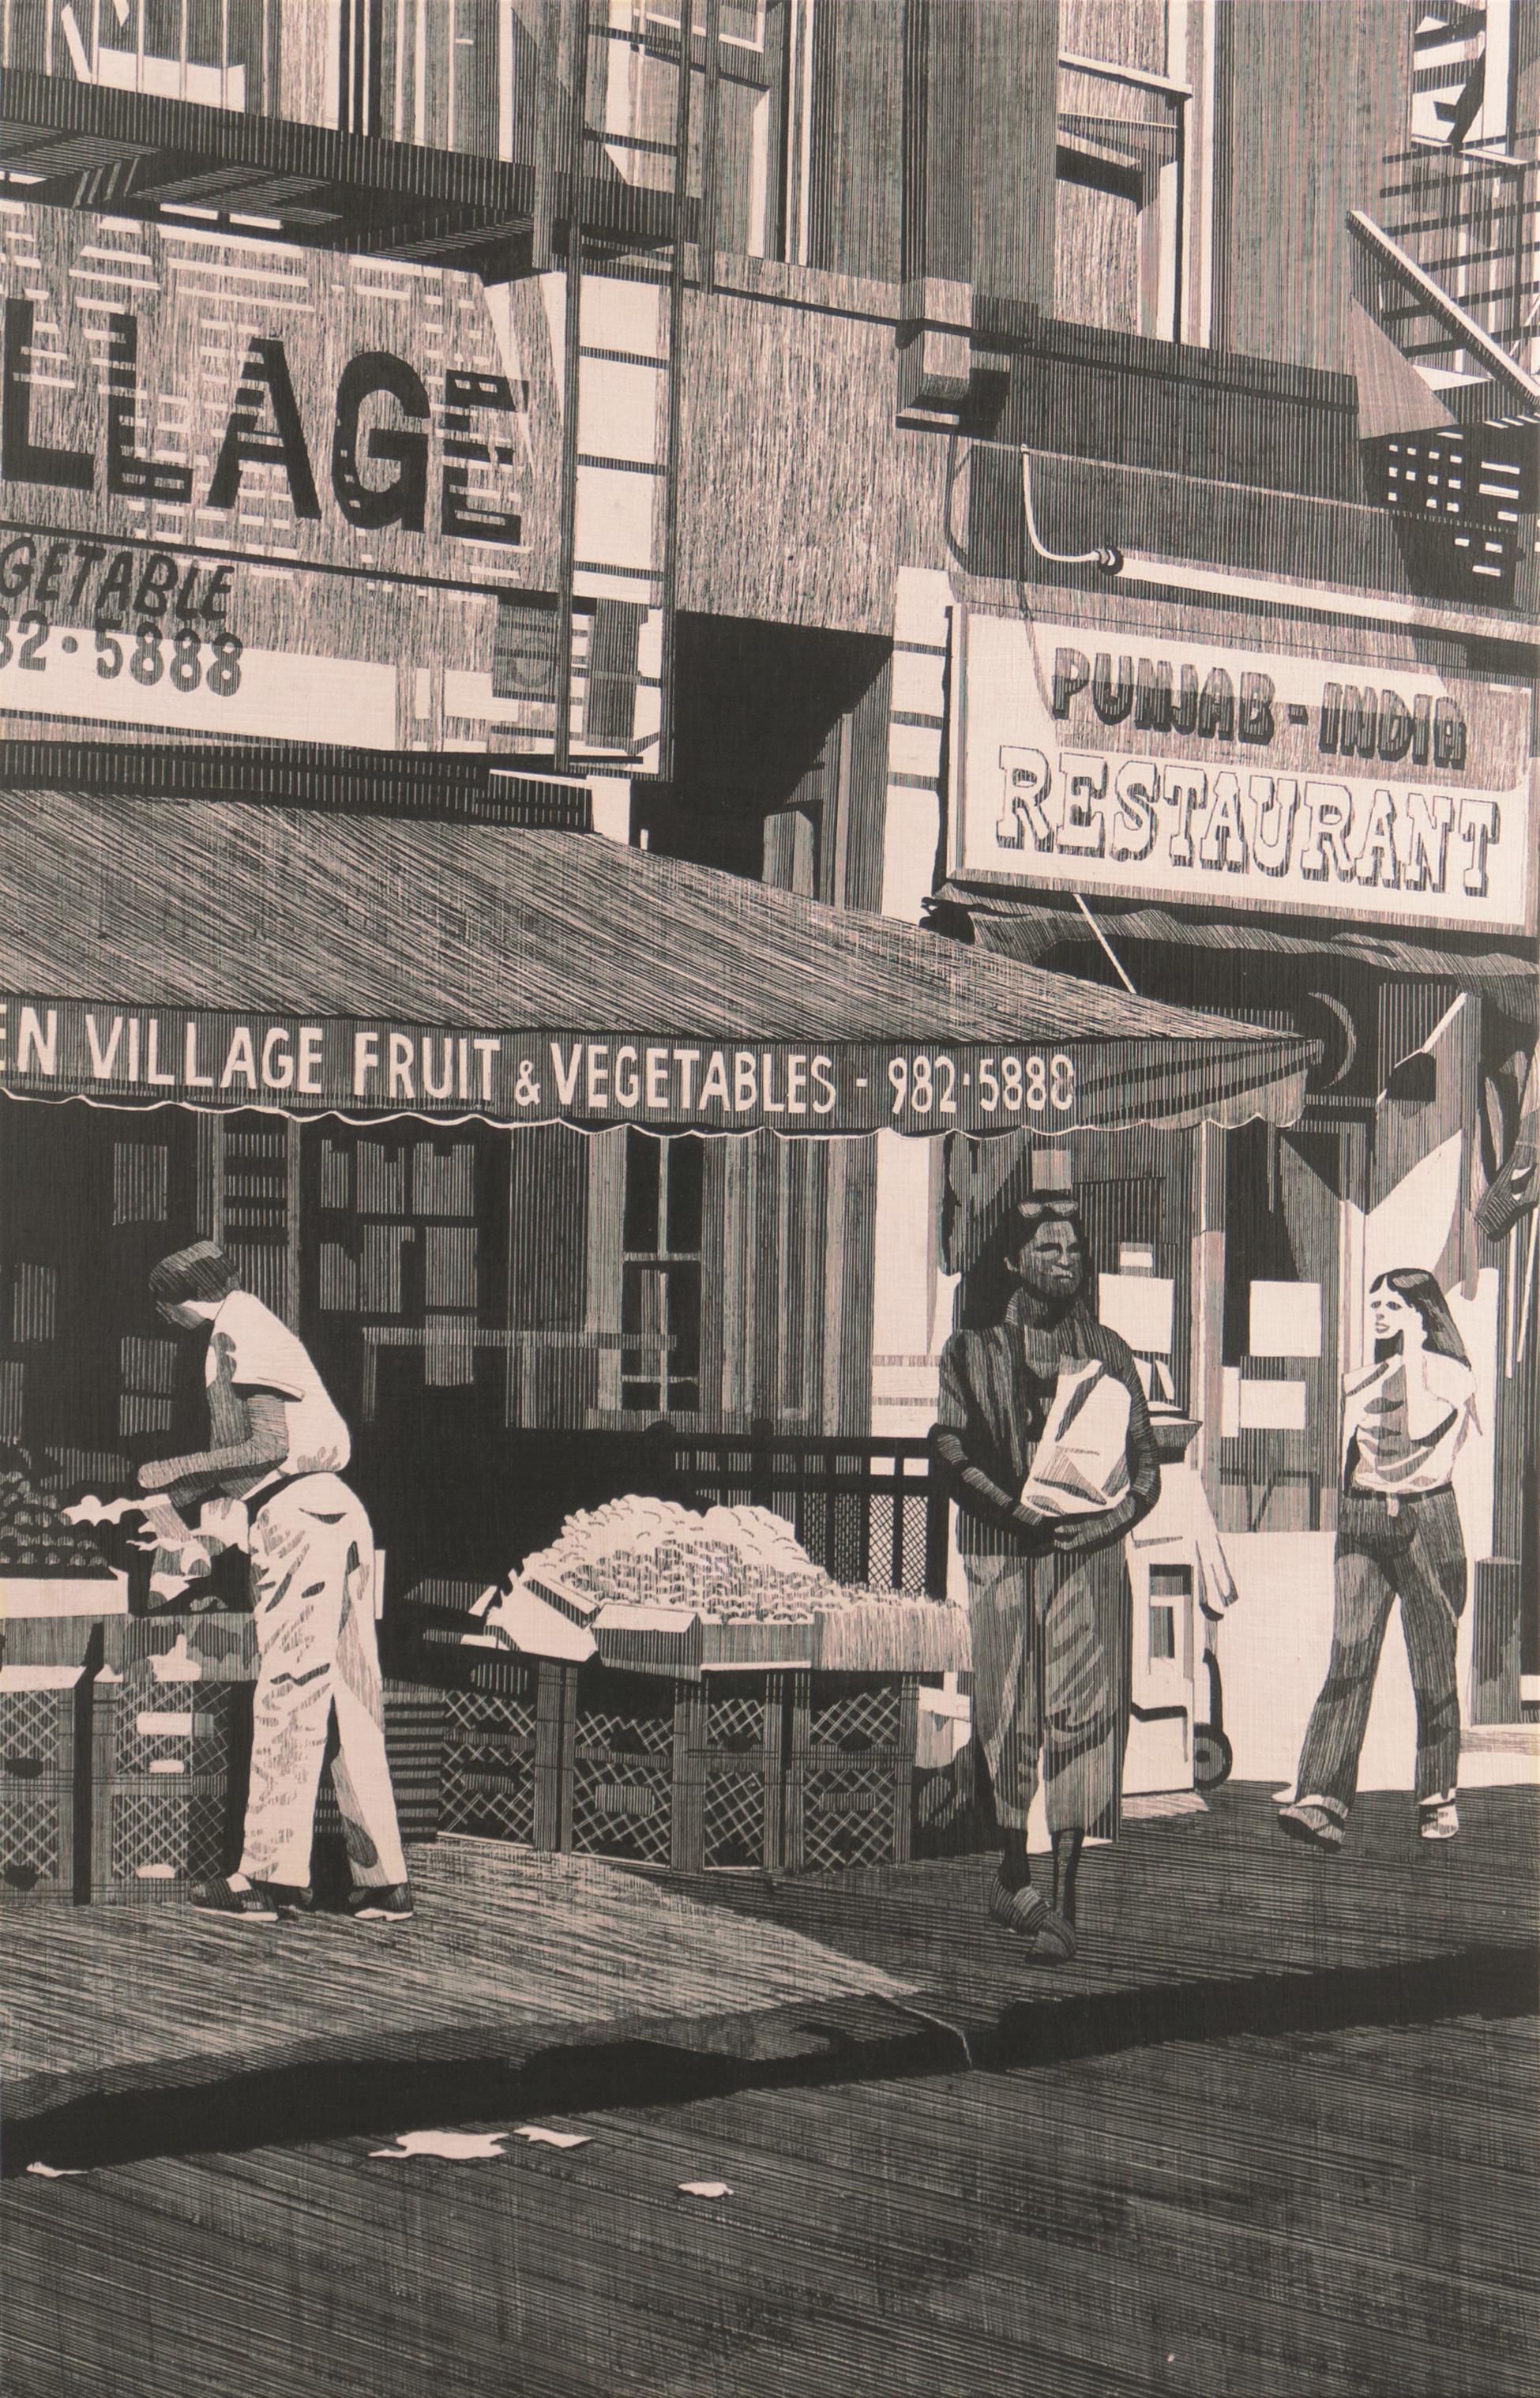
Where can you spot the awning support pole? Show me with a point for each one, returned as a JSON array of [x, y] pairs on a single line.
[[1116, 959]]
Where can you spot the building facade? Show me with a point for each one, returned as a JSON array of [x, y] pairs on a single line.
[[1021, 467]]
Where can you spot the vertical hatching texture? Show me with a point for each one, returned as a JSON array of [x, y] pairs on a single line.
[[788, 431]]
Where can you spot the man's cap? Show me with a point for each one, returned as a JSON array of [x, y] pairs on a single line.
[[202, 1270]]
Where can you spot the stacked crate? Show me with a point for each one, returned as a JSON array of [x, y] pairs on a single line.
[[668, 1771], [162, 1783], [45, 1788], [850, 1785], [506, 1728]]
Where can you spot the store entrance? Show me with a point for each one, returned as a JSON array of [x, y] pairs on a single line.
[[91, 1382]]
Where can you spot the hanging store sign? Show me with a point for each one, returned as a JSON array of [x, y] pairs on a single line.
[[56, 1048], [1100, 760], [228, 467]]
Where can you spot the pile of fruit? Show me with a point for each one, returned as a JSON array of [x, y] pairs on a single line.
[[36, 1541], [732, 1562]]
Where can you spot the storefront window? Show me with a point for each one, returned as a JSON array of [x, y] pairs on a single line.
[[661, 1302]]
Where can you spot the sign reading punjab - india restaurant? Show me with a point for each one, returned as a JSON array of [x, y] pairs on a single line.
[[1102, 759]]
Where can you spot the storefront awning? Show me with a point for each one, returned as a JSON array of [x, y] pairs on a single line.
[[1032, 929], [232, 956]]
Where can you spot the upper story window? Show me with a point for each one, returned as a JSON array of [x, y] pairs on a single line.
[[214, 53], [1119, 198]]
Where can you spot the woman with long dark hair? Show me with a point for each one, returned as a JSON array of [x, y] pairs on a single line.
[[1404, 1421]]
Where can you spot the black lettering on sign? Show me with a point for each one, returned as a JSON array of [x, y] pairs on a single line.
[[403, 501], [264, 379], [458, 515], [127, 472], [23, 460]]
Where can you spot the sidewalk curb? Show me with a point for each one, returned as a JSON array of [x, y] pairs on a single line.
[[117, 2115], [112, 2114]]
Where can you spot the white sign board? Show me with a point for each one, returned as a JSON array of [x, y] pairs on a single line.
[[1102, 759]]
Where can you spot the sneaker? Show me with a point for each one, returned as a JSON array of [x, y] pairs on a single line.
[[233, 1902], [1320, 1825], [1027, 1913], [390, 1904], [1438, 1819]]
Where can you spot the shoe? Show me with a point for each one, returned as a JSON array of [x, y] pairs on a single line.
[[1307, 1820], [293, 1901], [1438, 1819], [1027, 1913], [249, 1903], [390, 1904]]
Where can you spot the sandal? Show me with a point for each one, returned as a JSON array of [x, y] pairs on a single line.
[[1027, 1913]]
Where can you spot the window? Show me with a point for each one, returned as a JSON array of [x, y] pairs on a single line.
[[660, 1291], [1118, 247], [34, 1303], [147, 1382], [141, 1182], [1163, 1633], [633, 98], [210, 51]]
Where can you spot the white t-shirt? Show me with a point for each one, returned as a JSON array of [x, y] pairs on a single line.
[[249, 1349], [1409, 1417]]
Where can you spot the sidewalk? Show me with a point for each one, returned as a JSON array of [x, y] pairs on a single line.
[[533, 1983]]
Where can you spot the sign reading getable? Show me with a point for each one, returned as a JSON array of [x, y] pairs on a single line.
[[1152, 767], [244, 485], [52, 1048]]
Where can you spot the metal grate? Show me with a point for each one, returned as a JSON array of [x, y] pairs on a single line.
[[477, 1716], [196, 1734], [853, 1721]]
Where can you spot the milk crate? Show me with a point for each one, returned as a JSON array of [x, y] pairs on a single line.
[[151, 1838], [415, 1731], [505, 1770], [164, 1809], [44, 1752], [679, 1773], [169, 1729], [849, 1787]]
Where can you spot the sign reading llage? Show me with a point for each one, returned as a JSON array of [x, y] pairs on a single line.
[[1105, 758], [52, 1048]]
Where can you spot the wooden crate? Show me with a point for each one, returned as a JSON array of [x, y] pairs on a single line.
[[850, 1792]]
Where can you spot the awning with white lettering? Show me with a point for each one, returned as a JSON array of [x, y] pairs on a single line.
[[227, 956]]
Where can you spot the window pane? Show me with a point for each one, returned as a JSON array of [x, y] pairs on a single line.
[[141, 1175], [1163, 1631], [684, 1323], [34, 1302], [643, 1157], [685, 1168]]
